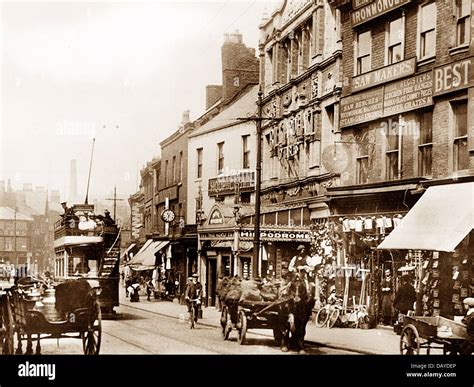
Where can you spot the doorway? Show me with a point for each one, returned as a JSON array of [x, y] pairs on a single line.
[[211, 281]]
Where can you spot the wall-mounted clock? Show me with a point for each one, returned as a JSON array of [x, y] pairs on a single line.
[[167, 216]]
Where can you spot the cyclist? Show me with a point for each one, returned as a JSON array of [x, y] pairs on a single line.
[[192, 295]]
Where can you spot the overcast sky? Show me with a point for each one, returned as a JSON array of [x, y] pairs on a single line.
[[122, 72]]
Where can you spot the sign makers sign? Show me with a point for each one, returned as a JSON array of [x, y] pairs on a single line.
[[374, 9]]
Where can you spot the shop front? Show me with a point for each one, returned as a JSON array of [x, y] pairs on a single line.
[[439, 231]]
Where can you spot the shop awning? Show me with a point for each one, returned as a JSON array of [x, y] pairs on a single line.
[[439, 221], [147, 256], [127, 250]]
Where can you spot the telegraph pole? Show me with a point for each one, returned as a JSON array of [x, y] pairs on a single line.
[[115, 203]]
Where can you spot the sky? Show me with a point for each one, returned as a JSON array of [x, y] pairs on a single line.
[[119, 72]]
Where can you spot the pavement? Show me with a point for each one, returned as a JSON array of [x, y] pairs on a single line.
[[377, 341]]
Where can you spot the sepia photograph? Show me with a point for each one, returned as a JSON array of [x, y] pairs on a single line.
[[288, 182]]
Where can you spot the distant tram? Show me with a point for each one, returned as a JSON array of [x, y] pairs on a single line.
[[88, 245]]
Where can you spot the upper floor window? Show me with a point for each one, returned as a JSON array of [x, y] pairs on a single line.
[[199, 163], [393, 150], [463, 23], [363, 49], [245, 152], [173, 170], [427, 30], [166, 173], [396, 38], [220, 157], [362, 161], [425, 145], [180, 172], [461, 153]]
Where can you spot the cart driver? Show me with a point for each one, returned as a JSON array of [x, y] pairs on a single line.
[[301, 262]]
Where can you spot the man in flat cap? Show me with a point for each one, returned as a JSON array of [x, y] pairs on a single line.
[[301, 262], [468, 346]]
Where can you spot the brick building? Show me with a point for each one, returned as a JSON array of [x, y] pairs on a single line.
[[406, 128]]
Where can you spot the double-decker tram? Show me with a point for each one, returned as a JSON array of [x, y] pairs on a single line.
[[87, 245]]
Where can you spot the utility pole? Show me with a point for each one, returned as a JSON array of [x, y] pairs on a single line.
[[258, 179], [115, 203]]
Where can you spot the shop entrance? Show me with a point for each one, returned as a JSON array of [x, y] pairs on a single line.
[[211, 281]]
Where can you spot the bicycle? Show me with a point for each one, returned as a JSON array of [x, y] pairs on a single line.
[[193, 312]]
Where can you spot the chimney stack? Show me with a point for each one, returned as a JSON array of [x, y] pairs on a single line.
[[240, 66], [213, 94]]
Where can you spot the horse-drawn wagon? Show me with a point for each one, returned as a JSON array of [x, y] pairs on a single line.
[[35, 311], [282, 306]]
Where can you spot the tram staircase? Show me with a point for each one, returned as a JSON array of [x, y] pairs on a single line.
[[109, 261]]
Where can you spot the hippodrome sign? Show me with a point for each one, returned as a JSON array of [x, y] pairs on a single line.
[[278, 235]]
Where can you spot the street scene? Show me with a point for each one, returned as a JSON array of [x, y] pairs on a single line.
[[287, 177]]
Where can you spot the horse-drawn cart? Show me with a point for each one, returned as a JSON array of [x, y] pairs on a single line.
[[30, 316], [422, 332], [244, 315]]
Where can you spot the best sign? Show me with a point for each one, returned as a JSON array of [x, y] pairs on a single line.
[[452, 77]]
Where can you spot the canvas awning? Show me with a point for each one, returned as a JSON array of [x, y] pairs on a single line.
[[146, 257], [126, 251], [439, 221]]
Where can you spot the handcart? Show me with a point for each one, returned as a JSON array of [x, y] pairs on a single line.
[[422, 332], [23, 313]]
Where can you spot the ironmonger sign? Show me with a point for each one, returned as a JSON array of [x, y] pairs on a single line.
[[375, 9]]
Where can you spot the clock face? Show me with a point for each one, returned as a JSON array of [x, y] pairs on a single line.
[[167, 215]]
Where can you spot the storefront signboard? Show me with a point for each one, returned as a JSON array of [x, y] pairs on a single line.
[[375, 9], [453, 76], [361, 107], [408, 94], [360, 3], [278, 235], [383, 75]]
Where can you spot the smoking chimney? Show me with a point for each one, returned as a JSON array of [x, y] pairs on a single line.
[[73, 183]]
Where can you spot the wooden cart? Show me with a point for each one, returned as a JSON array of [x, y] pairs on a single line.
[[245, 315], [424, 332], [21, 315]]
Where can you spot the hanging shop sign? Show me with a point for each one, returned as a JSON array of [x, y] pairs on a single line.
[[375, 9], [408, 94], [225, 185], [278, 235], [361, 107], [453, 76], [385, 74]]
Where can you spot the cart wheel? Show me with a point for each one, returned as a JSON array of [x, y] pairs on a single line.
[[224, 317], [333, 317], [451, 349], [322, 317], [243, 327], [92, 337], [7, 324], [277, 335], [409, 341]]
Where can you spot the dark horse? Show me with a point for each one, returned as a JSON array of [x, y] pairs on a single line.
[[294, 314]]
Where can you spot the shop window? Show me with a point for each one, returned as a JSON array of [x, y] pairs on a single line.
[[393, 151], [283, 218], [226, 266], [396, 37], [199, 163], [463, 22], [295, 217], [9, 244], [425, 147], [427, 30], [461, 154], [245, 197], [363, 49], [220, 157]]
